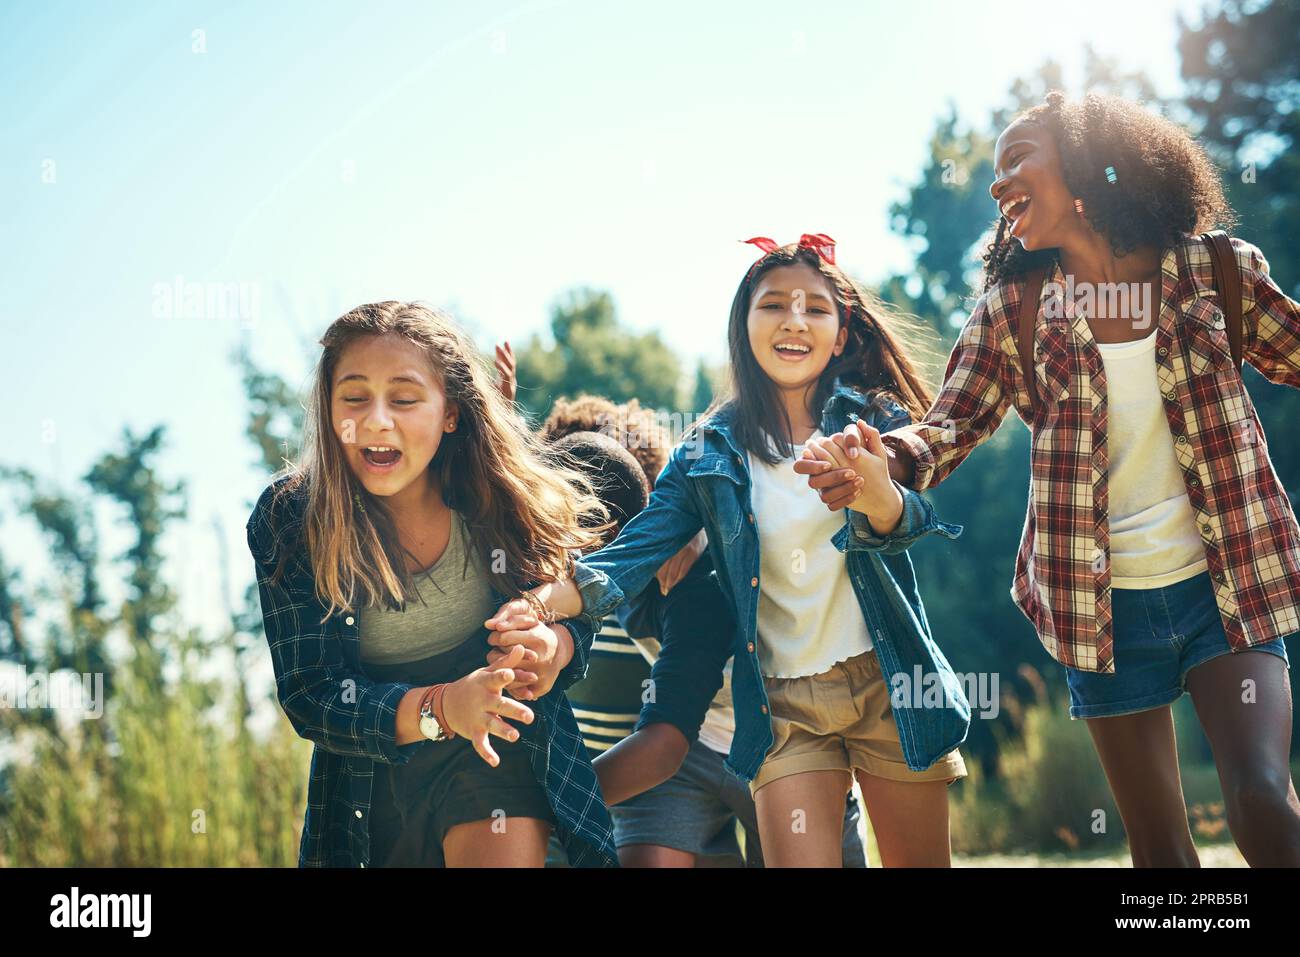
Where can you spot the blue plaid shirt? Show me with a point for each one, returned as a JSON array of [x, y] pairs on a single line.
[[353, 721]]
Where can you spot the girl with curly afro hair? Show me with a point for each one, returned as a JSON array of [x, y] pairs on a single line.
[[1159, 549], [1141, 182]]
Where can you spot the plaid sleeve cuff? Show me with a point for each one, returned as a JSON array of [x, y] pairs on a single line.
[[907, 440], [583, 634]]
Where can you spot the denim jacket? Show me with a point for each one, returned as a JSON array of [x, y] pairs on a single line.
[[707, 484]]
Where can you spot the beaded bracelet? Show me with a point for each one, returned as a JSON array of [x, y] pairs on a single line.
[[545, 615]]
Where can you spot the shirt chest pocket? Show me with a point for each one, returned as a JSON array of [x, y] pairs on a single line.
[[1205, 334], [1053, 365], [721, 486]]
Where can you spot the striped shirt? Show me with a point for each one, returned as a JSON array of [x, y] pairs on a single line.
[[1062, 576], [607, 702]]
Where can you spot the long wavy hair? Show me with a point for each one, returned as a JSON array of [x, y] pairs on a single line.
[[883, 356], [525, 510], [1166, 186]]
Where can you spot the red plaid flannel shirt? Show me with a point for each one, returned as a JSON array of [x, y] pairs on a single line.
[[1062, 574]]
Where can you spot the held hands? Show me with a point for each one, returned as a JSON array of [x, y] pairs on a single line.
[[851, 469], [675, 569], [474, 706], [546, 649]]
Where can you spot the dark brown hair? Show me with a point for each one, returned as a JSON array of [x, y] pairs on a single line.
[[881, 357], [619, 480]]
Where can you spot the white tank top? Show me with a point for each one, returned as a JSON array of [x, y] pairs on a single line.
[[1153, 537]]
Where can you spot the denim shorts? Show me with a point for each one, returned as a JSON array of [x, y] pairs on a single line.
[[696, 810], [1159, 634]]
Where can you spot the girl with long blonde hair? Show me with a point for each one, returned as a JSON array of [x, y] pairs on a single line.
[[421, 502]]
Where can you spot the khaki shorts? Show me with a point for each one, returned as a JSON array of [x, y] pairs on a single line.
[[841, 720]]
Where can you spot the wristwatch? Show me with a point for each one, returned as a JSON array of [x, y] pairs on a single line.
[[430, 726]]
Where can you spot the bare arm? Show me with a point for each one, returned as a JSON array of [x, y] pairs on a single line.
[[640, 761]]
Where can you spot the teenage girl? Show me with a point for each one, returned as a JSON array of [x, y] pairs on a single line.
[[825, 607], [658, 739], [420, 503], [1160, 552]]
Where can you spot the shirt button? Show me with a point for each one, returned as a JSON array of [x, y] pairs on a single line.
[[1218, 577], [1194, 482], [753, 583], [1171, 395], [358, 812], [1206, 529], [1182, 440], [347, 620], [1163, 351], [763, 708], [750, 647]]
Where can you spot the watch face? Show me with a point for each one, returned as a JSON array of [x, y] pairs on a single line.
[[429, 727]]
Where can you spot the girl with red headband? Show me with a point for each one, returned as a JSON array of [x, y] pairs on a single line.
[[826, 609]]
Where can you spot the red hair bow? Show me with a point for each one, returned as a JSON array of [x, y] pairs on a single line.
[[820, 243]]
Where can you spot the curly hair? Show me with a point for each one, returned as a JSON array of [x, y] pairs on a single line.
[[637, 429], [1166, 186]]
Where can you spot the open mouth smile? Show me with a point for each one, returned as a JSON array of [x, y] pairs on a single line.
[[380, 458], [792, 350], [1014, 207]]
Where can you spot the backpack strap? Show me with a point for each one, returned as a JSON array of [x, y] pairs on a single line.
[[1025, 333], [1227, 283]]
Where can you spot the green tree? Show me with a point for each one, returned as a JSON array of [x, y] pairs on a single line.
[[1243, 77], [591, 352]]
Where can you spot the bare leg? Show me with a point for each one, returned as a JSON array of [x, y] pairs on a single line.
[[909, 819], [1139, 754], [654, 855], [801, 819], [1251, 741], [497, 842]]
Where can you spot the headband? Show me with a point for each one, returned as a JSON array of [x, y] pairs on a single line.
[[820, 243]]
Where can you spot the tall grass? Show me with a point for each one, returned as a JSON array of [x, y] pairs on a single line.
[[1049, 793], [170, 776]]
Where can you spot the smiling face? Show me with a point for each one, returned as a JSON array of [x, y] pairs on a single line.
[[389, 413], [1030, 189], [794, 326]]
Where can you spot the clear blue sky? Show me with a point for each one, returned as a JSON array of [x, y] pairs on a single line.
[[481, 156]]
